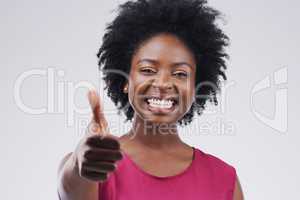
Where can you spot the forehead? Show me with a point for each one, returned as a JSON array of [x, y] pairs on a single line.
[[164, 47]]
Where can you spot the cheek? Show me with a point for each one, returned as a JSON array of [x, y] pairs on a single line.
[[135, 90], [138, 83], [187, 91], [187, 96]]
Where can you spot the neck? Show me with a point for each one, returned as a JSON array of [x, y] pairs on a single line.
[[155, 135]]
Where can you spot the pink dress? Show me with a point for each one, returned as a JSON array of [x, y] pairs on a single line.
[[206, 178]]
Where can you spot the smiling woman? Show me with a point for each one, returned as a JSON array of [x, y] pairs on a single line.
[[193, 24], [161, 61]]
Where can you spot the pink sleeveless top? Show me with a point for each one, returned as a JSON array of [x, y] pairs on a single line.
[[206, 178]]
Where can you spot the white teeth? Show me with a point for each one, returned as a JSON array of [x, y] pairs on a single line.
[[157, 103]]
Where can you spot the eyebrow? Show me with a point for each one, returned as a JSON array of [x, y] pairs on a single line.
[[156, 62]]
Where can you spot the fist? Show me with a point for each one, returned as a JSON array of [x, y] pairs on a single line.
[[98, 151]]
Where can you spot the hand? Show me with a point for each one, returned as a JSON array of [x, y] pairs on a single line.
[[98, 151]]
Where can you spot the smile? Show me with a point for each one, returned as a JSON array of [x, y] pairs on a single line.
[[161, 105], [157, 103]]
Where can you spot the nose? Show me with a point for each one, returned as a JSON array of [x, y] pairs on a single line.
[[163, 82]]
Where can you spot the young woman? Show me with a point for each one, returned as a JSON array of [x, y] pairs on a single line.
[[161, 61]]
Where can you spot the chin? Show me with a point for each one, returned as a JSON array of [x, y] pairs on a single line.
[[159, 120], [150, 116]]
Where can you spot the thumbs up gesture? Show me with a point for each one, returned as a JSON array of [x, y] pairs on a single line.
[[98, 151]]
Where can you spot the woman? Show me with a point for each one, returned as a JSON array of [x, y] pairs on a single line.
[[161, 61]]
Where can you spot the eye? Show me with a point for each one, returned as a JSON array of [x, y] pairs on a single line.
[[147, 70], [181, 74]]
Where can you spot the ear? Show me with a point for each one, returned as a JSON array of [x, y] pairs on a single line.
[[125, 89]]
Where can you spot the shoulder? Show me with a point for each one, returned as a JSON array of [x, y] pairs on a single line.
[[220, 171], [216, 163]]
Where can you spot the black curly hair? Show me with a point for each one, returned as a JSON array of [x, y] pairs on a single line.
[[192, 21]]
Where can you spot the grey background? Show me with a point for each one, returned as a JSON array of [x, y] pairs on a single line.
[[65, 35]]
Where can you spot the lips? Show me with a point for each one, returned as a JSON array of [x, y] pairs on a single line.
[[158, 103], [162, 97]]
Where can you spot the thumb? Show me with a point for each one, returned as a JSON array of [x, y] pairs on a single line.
[[98, 120]]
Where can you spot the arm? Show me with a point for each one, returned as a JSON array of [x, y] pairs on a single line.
[[238, 193], [71, 186]]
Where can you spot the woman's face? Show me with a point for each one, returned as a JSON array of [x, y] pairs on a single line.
[[161, 85]]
